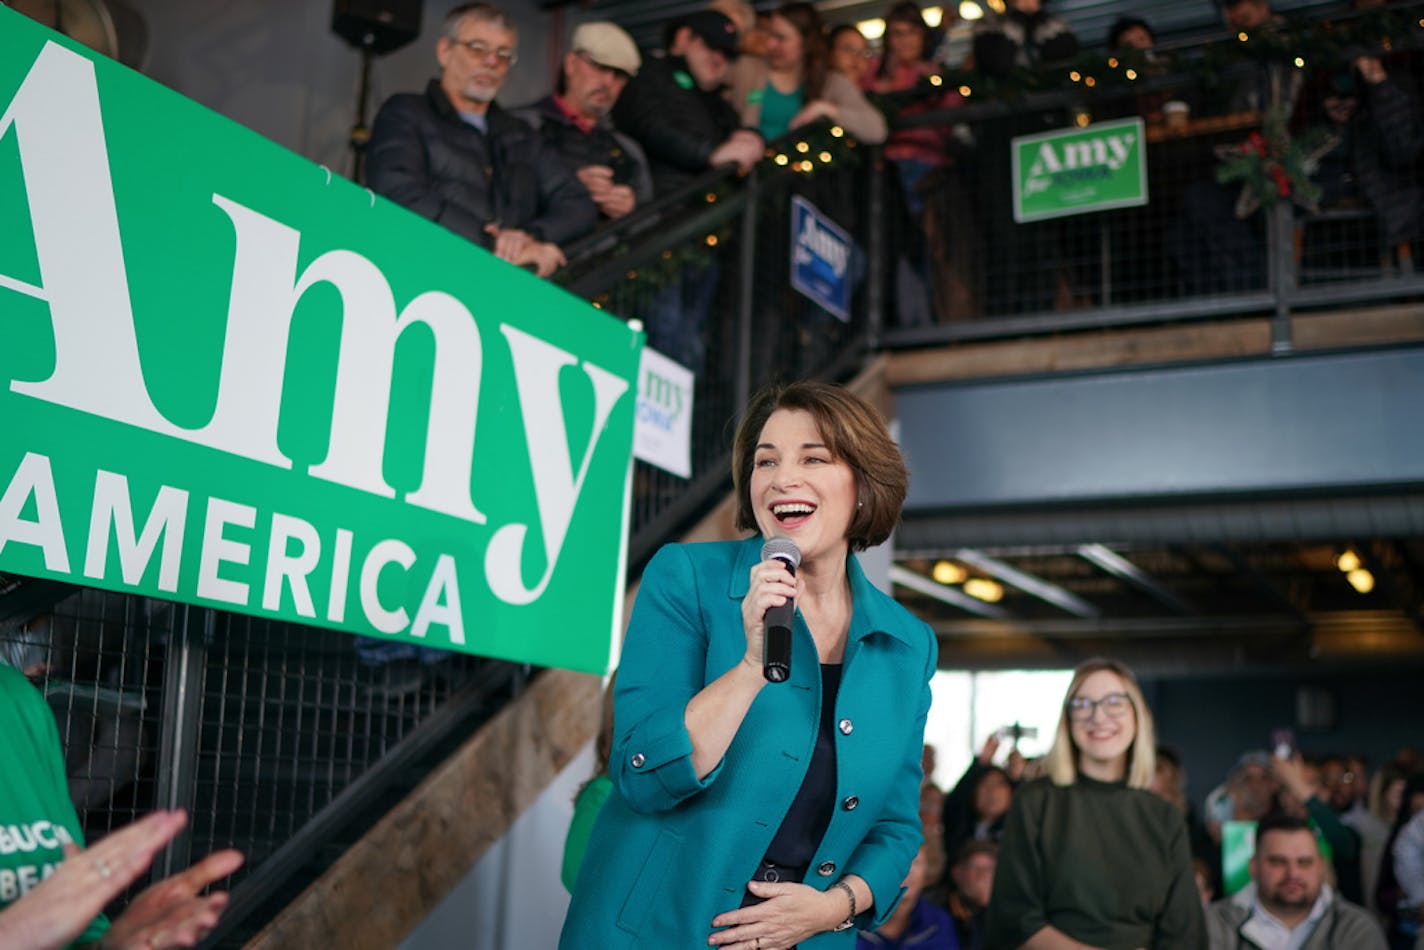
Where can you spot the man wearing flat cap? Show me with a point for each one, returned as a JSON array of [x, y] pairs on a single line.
[[674, 107], [574, 122], [454, 156]]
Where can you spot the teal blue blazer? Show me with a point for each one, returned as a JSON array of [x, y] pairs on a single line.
[[670, 851]]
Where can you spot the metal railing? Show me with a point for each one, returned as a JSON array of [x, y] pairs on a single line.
[[1196, 250]]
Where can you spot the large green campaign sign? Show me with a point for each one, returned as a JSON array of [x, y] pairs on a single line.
[[230, 378], [1073, 171]]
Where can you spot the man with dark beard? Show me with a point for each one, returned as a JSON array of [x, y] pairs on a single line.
[[1288, 905]]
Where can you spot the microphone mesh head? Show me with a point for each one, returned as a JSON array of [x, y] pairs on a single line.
[[782, 548]]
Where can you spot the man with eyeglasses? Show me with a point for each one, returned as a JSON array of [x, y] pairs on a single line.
[[574, 122], [454, 156]]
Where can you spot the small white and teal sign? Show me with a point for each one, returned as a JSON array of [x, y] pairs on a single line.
[[1074, 171], [820, 258], [663, 433]]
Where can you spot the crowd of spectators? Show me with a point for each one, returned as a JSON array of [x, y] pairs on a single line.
[[1320, 851], [624, 127]]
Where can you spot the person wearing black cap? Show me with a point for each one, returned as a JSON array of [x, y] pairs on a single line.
[[1131, 33], [674, 106], [1024, 36], [674, 109]]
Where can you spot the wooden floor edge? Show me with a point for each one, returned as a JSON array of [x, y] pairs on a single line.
[[1184, 342]]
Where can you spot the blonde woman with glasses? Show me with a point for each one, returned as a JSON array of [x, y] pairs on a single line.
[[1090, 858]]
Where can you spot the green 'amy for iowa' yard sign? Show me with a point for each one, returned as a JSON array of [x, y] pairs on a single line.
[[1074, 171], [227, 378]]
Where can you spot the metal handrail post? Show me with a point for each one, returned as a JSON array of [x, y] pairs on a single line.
[[876, 265], [182, 717], [745, 294], [1280, 257]]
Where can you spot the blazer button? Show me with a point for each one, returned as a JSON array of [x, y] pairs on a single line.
[[826, 869], [846, 727], [638, 760], [850, 803]]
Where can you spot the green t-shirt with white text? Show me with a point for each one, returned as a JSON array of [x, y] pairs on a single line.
[[36, 815]]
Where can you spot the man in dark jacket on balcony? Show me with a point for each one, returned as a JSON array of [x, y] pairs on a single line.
[[574, 122], [455, 157], [674, 106]]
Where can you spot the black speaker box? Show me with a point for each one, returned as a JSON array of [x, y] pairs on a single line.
[[378, 25]]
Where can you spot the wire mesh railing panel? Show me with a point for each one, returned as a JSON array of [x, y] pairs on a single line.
[[792, 335], [1282, 170], [292, 715], [98, 658], [275, 723]]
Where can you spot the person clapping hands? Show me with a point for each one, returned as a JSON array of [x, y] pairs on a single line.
[[170, 913]]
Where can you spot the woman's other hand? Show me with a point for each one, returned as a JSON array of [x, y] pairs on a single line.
[[789, 914], [60, 908], [770, 586]]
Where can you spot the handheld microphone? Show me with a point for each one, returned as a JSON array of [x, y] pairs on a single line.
[[776, 645]]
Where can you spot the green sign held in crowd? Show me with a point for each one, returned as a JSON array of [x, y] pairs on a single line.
[[229, 378], [1073, 171]]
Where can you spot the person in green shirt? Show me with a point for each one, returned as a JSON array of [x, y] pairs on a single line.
[[1089, 857], [52, 893], [591, 795]]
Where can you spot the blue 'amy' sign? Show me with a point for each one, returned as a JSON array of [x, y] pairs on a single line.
[[820, 258]]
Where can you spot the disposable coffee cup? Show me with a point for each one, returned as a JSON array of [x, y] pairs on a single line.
[[1175, 114]]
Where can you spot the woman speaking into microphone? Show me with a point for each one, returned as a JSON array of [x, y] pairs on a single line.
[[747, 813]]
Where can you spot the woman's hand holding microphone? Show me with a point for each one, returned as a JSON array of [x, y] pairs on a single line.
[[771, 585]]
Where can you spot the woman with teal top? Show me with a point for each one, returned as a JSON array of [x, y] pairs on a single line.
[[1089, 857], [761, 815], [792, 86]]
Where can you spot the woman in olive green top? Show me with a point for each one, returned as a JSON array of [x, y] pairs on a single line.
[[1089, 857]]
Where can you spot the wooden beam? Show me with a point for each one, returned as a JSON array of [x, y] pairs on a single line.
[[1094, 350], [388, 882], [1108, 349], [1376, 326]]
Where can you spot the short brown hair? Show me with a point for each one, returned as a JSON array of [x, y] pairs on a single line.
[[854, 433]]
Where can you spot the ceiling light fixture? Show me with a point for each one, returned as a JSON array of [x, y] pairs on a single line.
[[1360, 579], [871, 29], [947, 572], [969, 10], [981, 588], [933, 16], [1348, 561]]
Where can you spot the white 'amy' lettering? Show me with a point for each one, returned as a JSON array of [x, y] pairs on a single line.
[[97, 368], [1109, 150]]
